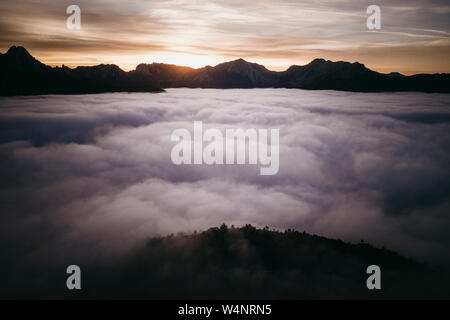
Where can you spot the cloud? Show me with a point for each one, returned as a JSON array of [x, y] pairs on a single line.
[[87, 178]]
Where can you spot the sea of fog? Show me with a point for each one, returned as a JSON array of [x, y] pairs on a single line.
[[84, 177]]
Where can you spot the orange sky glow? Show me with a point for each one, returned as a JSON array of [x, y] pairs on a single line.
[[414, 38]]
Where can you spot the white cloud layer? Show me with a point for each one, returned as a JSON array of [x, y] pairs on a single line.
[[90, 175]]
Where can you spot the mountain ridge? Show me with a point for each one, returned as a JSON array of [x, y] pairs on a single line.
[[22, 74], [246, 262]]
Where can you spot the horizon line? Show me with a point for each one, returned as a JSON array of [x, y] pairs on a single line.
[[73, 66]]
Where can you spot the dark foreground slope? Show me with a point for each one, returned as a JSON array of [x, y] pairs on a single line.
[[251, 263], [229, 263], [21, 74]]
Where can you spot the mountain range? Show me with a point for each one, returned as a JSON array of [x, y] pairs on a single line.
[[22, 74]]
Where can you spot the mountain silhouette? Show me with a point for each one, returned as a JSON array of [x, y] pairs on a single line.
[[21, 74]]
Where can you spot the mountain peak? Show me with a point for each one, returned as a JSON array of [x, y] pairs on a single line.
[[239, 61], [241, 65], [318, 61], [18, 51], [19, 58], [396, 75]]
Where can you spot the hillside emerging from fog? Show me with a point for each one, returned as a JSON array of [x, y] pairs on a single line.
[[21, 74], [251, 263]]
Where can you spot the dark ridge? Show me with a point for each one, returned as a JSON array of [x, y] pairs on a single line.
[[396, 75], [22, 74], [251, 263]]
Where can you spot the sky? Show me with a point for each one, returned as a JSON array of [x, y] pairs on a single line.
[[414, 35]]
